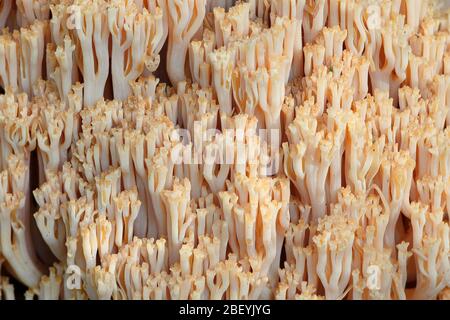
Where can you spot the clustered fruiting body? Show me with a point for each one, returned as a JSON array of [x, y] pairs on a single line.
[[300, 149]]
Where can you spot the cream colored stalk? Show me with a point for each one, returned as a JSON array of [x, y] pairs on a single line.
[[120, 140], [107, 185], [336, 125], [314, 57], [276, 45], [432, 191], [198, 109], [351, 19], [431, 48], [314, 18], [270, 84], [17, 125], [259, 9], [91, 49], [430, 248], [126, 209], [390, 42], [217, 281], [433, 152], [362, 156], [31, 45], [178, 216], [199, 65], [48, 218], [16, 242], [294, 10], [145, 87], [59, 26], [401, 276], [9, 62], [440, 90], [319, 83], [189, 165], [232, 25], [243, 284], [308, 292], [334, 242], [414, 11], [361, 77], [248, 209], [90, 245], [333, 40], [22, 57], [49, 287], [62, 72], [54, 138], [289, 283], [222, 63], [6, 289], [153, 174], [395, 177], [307, 161], [245, 92], [5, 9], [212, 4], [216, 166], [294, 245]]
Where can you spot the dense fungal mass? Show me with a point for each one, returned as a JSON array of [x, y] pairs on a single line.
[[219, 149]]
